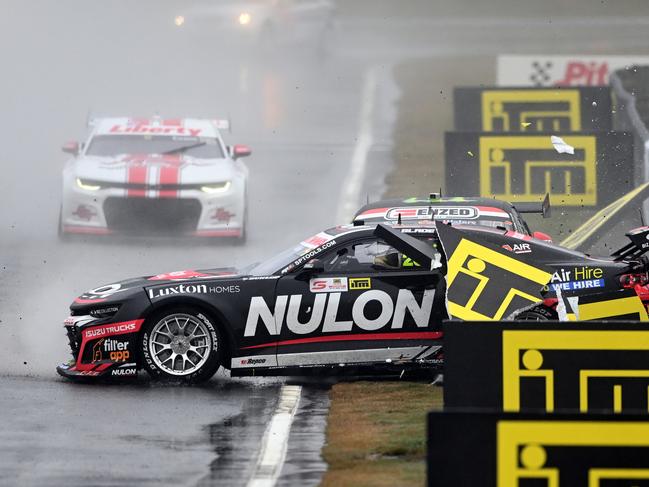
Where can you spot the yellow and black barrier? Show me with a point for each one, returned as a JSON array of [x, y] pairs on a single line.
[[490, 449], [548, 366], [526, 167], [574, 109]]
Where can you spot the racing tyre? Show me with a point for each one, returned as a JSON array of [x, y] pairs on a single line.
[[540, 313], [181, 344]]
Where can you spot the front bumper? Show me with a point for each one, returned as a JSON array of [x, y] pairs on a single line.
[[105, 371], [101, 350], [189, 213]]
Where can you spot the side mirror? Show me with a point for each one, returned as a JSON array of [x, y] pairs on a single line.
[[311, 268], [240, 150], [542, 236], [71, 147]]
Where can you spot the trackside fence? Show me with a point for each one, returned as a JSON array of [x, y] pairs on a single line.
[[630, 91]]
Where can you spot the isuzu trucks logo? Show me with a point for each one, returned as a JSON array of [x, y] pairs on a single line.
[[324, 312], [113, 329]]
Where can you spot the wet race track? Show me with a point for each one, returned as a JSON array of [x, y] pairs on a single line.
[[320, 127]]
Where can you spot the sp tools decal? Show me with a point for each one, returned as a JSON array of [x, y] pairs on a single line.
[[328, 285], [360, 283], [309, 255], [485, 283]]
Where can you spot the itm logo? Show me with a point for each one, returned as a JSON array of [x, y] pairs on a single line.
[[362, 283], [525, 168], [585, 370], [486, 285], [572, 453], [531, 111]]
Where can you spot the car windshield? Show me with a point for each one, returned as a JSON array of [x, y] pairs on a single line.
[[288, 256], [111, 145], [279, 261], [506, 224]]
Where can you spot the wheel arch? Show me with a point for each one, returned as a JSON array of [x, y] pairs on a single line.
[[201, 306]]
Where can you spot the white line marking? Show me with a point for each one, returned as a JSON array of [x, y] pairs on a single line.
[[350, 197], [275, 442]]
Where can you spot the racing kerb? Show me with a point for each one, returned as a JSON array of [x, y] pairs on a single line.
[[628, 117]]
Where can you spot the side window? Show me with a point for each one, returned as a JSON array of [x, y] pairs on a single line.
[[367, 256]]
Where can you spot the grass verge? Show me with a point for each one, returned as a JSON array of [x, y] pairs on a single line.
[[376, 434]]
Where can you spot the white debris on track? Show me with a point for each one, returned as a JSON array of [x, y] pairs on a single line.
[[560, 146]]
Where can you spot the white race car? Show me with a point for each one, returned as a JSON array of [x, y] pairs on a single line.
[[155, 176]]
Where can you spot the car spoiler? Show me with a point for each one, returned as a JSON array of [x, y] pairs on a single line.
[[417, 250], [542, 207], [639, 245]]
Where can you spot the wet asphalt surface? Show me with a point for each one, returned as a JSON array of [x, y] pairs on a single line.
[[300, 115]]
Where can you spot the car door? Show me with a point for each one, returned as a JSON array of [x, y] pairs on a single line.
[[363, 306]]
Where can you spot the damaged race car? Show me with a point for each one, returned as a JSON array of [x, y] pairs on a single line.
[[457, 210], [368, 297], [155, 176]]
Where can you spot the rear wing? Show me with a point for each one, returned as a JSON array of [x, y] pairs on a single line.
[[417, 250], [542, 207], [639, 245]]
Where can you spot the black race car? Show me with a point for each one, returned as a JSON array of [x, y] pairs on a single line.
[[458, 210], [368, 296]]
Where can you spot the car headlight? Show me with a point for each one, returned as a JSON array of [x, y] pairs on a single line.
[[244, 18], [216, 187], [87, 185]]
